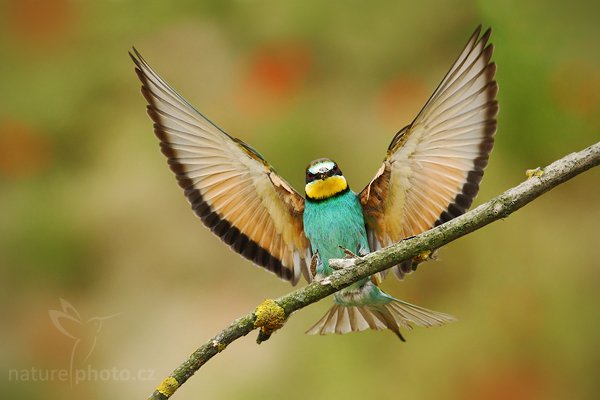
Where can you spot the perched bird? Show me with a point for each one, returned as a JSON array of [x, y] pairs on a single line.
[[430, 174]]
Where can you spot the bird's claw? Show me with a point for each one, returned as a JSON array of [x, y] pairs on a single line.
[[336, 267], [314, 261], [348, 253]]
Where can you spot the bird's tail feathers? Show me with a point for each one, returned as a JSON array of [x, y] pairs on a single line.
[[393, 316]]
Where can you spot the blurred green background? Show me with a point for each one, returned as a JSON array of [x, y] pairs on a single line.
[[89, 211]]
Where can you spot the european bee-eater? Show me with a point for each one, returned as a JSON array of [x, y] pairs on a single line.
[[430, 174]]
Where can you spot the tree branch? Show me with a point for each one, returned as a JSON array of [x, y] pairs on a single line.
[[271, 314]]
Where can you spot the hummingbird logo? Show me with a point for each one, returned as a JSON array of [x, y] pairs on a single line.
[[83, 333]]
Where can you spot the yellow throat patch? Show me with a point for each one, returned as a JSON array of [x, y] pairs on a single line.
[[322, 189]]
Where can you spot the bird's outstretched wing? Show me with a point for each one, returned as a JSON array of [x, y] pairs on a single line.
[[433, 167], [233, 190]]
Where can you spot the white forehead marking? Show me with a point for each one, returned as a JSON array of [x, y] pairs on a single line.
[[323, 166]]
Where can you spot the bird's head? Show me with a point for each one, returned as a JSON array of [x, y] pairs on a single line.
[[324, 180]]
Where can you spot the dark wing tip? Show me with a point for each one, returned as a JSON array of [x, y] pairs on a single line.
[[232, 236], [137, 58], [486, 35], [475, 34], [464, 199]]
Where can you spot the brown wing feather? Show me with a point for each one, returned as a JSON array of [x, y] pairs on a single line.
[[233, 190], [433, 167]]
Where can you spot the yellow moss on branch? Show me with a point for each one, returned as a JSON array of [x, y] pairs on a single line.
[[537, 172], [270, 316], [168, 386]]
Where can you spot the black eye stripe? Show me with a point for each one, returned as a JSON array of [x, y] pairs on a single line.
[[313, 176]]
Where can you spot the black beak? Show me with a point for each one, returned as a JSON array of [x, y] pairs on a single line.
[[323, 175]]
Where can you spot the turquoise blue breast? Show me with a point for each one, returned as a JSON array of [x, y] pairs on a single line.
[[337, 221]]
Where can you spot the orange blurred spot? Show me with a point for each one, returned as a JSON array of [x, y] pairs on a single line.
[[37, 21], [275, 74], [280, 69], [401, 98], [515, 382], [51, 348], [575, 87], [23, 151]]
